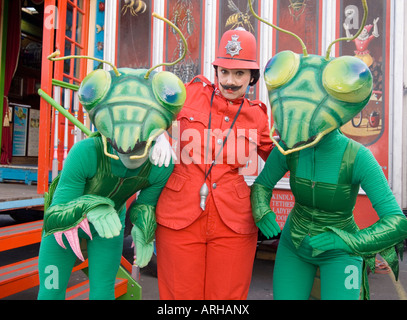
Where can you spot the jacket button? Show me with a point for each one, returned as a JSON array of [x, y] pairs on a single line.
[[214, 186], [191, 118], [227, 119], [220, 141]]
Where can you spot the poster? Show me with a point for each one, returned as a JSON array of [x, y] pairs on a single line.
[[370, 126], [187, 15], [301, 17], [134, 34], [33, 133], [20, 120]]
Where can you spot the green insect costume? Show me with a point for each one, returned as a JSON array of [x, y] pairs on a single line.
[[130, 108], [311, 97], [98, 184]]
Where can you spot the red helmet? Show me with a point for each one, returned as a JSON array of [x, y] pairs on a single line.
[[237, 50]]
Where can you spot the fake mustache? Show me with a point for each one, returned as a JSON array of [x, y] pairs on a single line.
[[233, 88]]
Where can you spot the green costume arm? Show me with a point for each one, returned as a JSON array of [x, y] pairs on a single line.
[[368, 173], [262, 191], [260, 198], [274, 169], [142, 212], [157, 180], [62, 217], [262, 188], [264, 217], [381, 238], [143, 216], [65, 206], [77, 169], [391, 228]]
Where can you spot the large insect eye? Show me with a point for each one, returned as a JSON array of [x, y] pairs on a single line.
[[348, 79], [280, 69], [94, 88], [169, 90]]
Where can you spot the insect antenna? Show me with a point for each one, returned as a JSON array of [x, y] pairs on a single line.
[[365, 8], [304, 48], [183, 39], [53, 57]]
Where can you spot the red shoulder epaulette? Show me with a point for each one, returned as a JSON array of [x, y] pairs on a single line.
[[260, 104], [200, 78]]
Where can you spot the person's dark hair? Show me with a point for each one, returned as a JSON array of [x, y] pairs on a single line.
[[254, 74]]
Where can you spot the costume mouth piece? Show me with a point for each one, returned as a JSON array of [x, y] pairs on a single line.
[[303, 143], [299, 145], [138, 148], [139, 151]]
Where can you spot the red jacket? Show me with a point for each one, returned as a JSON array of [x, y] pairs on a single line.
[[178, 205]]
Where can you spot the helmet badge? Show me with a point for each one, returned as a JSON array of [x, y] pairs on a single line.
[[233, 47]]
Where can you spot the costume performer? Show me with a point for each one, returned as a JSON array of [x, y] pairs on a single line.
[[206, 237], [326, 170], [88, 200]]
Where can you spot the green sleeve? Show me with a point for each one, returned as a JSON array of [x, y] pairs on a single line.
[[368, 173], [142, 210], [262, 188], [388, 233], [62, 217], [77, 169], [66, 206], [274, 169], [143, 216], [157, 179]]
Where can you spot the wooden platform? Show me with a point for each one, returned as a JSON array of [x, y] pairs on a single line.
[[19, 195], [17, 191], [27, 174]]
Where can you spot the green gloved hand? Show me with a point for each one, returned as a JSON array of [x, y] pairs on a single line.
[[329, 241], [144, 251], [268, 225], [105, 220]]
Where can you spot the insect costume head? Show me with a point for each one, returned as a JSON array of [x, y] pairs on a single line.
[[131, 107], [131, 110], [311, 95]]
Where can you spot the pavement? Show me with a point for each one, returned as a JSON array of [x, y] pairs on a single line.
[[382, 286]]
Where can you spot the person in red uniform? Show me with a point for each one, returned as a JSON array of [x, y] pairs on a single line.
[[206, 236]]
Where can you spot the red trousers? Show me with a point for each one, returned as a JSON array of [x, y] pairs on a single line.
[[204, 261]]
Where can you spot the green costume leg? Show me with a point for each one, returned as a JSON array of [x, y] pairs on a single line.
[[104, 261], [341, 276], [294, 272], [54, 267], [293, 277]]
